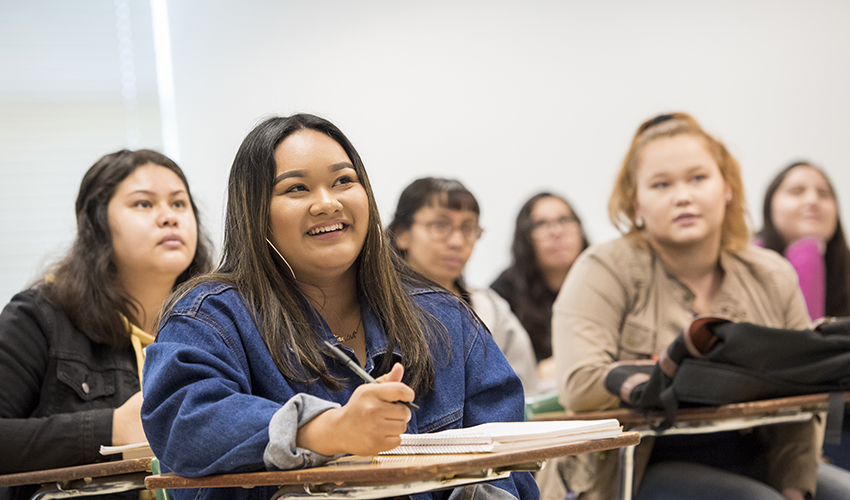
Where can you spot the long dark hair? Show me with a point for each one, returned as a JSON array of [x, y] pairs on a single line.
[[837, 256], [280, 310], [530, 300], [84, 285]]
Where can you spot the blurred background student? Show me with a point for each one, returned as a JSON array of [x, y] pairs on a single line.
[[679, 201], [801, 222], [435, 229], [71, 346], [547, 240]]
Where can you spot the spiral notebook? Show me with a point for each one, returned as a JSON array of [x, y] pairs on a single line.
[[505, 436], [128, 451]]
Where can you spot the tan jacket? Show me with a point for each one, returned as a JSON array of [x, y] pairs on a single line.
[[620, 302]]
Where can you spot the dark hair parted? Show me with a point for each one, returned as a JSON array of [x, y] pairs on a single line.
[[282, 314], [84, 285], [836, 257], [428, 191], [621, 206], [530, 298]]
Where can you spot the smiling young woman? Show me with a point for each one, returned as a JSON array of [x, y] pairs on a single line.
[[71, 347], [801, 222], [240, 378], [319, 209], [679, 201]]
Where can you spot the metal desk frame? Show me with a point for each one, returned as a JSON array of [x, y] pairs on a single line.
[[703, 420], [84, 480]]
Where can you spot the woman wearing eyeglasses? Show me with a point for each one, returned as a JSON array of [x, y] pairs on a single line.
[[548, 238], [435, 229]]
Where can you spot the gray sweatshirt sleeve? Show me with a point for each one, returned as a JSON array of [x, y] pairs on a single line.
[[281, 453]]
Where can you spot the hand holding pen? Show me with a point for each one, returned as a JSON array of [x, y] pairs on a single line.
[[340, 355], [371, 421]]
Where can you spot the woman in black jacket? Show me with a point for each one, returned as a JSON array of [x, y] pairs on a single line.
[[71, 347], [549, 237]]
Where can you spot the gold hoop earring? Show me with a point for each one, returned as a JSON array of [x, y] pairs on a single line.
[[281, 258]]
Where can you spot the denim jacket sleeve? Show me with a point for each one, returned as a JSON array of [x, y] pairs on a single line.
[[44, 434], [281, 452], [199, 412]]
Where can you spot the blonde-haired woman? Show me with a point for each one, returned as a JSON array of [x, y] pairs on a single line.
[[679, 201]]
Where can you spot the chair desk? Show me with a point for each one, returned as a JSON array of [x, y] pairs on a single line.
[[392, 475], [84, 480], [702, 420]]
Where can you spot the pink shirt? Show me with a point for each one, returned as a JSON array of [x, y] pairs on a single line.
[[806, 257]]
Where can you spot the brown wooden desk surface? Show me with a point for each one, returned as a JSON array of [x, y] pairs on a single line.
[[391, 468], [66, 474], [815, 402]]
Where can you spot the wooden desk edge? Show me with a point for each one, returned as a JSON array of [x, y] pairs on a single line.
[[66, 474], [317, 475], [808, 402]]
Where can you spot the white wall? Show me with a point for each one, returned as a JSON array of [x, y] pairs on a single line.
[[509, 97], [514, 97], [77, 81]]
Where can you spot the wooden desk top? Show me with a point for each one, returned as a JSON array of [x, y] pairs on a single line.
[[391, 468], [65, 474], [810, 402]]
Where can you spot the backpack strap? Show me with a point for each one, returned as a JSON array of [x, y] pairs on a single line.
[[834, 418], [699, 337], [671, 406]]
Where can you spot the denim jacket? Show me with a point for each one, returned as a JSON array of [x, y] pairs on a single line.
[[214, 396], [58, 390]]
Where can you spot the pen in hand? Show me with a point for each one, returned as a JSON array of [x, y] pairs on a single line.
[[360, 371]]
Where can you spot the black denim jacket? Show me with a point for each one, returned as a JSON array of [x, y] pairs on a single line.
[[57, 389]]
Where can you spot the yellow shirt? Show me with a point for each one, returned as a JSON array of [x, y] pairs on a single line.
[[140, 339]]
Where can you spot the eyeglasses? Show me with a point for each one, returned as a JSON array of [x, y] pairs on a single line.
[[542, 228], [440, 230]]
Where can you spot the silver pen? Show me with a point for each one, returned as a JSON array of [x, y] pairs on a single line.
[[340, 355]]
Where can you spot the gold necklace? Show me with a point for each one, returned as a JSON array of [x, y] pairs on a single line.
[[346, 338]]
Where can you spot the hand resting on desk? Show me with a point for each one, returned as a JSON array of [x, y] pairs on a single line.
[[369, 423]]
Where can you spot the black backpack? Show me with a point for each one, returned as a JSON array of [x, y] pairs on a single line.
[[716, 361]]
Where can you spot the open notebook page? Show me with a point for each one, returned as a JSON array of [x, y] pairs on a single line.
[[506, 436]]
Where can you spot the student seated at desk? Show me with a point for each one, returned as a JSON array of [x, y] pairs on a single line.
[[239, 378], [801, 222], [547, 241], [435, 229], [71, 346], [679, 200]]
